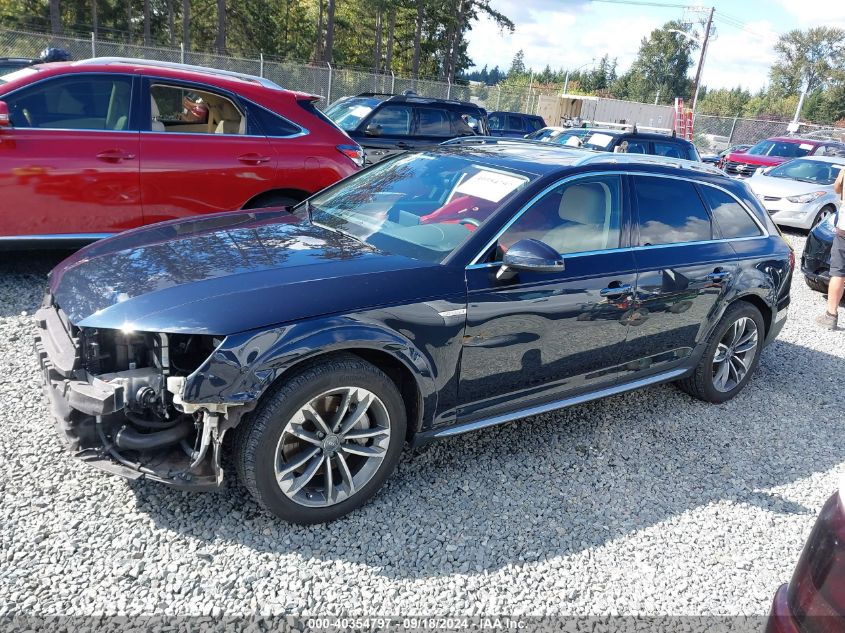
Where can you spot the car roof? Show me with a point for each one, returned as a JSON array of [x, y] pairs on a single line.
[[419, 100], [648, 136], [796, 139], [545, 158], [531, 116]]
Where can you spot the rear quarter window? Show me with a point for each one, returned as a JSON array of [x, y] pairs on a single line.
[[731, 218]]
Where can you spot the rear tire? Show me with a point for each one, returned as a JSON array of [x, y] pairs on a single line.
[[822, 215], [308, 414], [730, 357]]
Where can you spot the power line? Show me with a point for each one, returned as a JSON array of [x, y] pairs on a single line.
[[644, 3]]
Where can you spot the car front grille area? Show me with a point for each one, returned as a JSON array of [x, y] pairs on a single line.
[[736, 168]]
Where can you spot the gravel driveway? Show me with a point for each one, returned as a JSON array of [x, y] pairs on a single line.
[[648, 503]]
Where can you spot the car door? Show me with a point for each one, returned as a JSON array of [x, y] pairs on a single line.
[[683, 268], [387, 131], [69, 161], [199, 153], [433, 126], [537, 337]]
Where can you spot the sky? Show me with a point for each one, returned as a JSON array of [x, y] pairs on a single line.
[[571, 33]]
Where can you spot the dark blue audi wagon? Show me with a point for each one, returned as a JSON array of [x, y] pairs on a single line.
[[432, 294]]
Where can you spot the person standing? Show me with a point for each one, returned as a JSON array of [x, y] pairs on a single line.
[[836, 287]]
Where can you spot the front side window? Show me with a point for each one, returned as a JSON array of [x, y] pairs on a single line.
[[573, 218], [188, 110], [76, 102], [422, 205], [433, 122], [729, 215], [670, 212], [496, 122], [392, 120]]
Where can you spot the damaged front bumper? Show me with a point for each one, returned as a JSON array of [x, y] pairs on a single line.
[[90, 415]]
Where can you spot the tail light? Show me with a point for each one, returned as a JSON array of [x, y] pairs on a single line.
[[353, 152]]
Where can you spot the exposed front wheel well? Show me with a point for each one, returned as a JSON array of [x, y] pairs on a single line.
[[276, 197], [395, 369]]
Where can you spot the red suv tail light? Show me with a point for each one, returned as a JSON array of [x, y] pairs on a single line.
[[353, 152]]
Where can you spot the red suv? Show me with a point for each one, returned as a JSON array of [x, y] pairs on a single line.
[[774, 151], [99, 146]]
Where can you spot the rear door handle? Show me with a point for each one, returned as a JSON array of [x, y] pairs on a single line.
[[403, 145], [253, 159], [114, 156], [616, 291], [718, 275]]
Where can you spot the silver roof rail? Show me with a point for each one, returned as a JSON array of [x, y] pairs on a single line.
[[154, 63], [635, 159]]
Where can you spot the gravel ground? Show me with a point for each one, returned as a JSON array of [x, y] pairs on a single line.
[[648, 503]]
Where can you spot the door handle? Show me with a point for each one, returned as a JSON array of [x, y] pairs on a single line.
[[403, 145], [253, 159], [114, 155], [718, 275], [616, 291]]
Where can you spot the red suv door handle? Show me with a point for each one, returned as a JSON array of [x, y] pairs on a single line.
[[114, 155], [253, 159]]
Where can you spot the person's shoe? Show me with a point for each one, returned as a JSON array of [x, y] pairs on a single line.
[[828, 321]]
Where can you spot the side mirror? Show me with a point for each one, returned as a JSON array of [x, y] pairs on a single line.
[[530, 255], [373, 129], [5, 120]]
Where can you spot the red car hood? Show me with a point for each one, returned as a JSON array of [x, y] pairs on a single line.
[[752, 159]]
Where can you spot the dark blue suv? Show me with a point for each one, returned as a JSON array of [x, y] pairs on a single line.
[[435, 293], [514, 124]]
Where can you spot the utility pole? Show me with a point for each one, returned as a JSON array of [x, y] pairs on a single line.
[[697, 83]]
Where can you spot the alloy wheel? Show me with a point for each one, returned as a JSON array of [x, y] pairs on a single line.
[[823, 215], [735, 354], [332, 447]]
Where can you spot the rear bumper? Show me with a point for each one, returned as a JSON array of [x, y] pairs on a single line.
[[79, 403]]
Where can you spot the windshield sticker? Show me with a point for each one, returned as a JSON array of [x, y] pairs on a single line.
[[602, 140], [805, 146], [489, 185]]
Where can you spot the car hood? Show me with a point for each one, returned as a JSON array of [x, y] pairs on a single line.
[[783, 187], [755, 159], [234, 272]]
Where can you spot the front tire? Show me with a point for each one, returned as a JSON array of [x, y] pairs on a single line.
[[822, 215], [322, 442], [730, 357]]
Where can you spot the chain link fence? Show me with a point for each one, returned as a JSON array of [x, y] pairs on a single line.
[[712, 134], [324, 80]]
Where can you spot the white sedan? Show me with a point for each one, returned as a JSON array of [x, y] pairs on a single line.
[[799, 193]]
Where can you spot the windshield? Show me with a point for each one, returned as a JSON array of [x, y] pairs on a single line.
[[781, 148], [349, 113], [422, 205], [814, 171]]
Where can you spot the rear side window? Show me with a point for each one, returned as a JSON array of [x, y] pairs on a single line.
[[670, 150], [393, 120], [77, 102], [496, 122], [730, 216], [465, 124], [433, 122], [670, 212], [534, 124]]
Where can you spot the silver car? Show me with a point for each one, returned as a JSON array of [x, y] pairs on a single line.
[[799, 193]]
